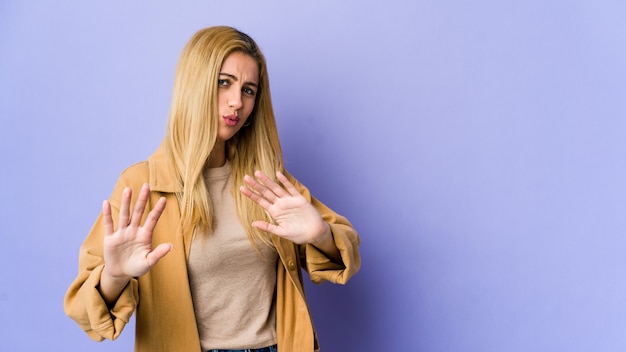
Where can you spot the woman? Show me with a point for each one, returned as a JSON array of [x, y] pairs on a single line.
[[231, 228]]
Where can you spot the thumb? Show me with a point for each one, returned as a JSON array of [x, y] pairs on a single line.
[[159, 252]]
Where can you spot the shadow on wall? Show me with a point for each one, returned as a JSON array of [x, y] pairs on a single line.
[[342, 314]]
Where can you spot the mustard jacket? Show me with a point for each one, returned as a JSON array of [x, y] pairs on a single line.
[[165, 319]]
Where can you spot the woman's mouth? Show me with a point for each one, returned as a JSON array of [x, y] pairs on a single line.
[[231, 120]]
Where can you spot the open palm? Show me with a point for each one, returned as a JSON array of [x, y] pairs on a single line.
[[294, 217], [128, 249]]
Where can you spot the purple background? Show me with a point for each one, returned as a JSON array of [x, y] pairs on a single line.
[[478, 147]]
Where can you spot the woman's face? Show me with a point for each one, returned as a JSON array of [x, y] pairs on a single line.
[[237, 88]]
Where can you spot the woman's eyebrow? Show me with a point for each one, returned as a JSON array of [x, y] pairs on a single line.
[[234, 78]]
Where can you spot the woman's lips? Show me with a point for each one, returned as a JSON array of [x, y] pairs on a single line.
[[231, 120]]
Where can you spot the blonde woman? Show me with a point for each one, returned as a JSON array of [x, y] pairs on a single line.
[[206, 239]]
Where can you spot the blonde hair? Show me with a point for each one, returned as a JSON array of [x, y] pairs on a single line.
[[191, 133]]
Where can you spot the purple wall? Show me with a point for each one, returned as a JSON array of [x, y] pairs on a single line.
[[479, 147]]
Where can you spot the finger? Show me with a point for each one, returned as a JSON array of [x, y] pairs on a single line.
[[271, 190], [288, 185], [106, 217], [270, 184], [267, 227], [140, 205], [260, 189], [159, 252], [124, 208], [255, 197], [155, 214]]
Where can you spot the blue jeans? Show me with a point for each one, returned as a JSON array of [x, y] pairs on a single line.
[[264, 349]]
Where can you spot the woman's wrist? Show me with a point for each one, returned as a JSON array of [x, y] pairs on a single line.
[[111, 286], [114, 278], [326, 244], [325, 238]]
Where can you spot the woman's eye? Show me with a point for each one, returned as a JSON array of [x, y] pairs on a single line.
[[248, 91], [222, 82]]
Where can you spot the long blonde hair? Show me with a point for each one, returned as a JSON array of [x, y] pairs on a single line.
[[191, 133]]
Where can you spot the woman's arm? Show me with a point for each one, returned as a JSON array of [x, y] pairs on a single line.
[[330, 241]]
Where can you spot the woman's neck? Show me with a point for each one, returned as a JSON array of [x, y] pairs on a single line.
[[217, 157]]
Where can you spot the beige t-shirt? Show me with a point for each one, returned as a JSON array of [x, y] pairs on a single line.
[[232, 286]]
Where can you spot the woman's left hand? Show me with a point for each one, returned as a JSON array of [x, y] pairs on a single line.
[[294, 217]]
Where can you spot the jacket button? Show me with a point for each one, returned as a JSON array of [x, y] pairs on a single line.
[[291, 265]]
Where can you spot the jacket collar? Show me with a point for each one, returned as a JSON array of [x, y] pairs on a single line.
[[161, 179]]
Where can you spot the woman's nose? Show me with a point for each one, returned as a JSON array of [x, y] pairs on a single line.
[[234, 100]]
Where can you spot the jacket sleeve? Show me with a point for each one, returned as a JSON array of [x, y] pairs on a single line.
[[83, 301], [318, 265]]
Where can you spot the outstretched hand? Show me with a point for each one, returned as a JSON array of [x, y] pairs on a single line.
[[128, 249], [294, 217]]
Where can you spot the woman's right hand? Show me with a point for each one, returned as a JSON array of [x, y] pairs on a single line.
[[128, 249]]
